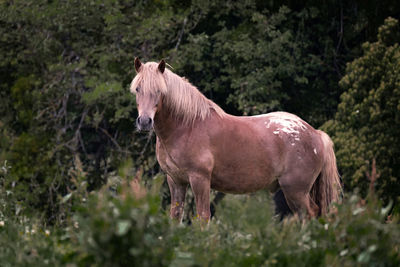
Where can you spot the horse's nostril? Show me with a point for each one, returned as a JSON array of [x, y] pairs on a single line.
[[144, 121]]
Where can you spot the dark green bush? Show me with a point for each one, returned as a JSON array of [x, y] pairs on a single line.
[[26, 240]]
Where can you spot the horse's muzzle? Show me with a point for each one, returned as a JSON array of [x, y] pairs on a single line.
[[144, 123]]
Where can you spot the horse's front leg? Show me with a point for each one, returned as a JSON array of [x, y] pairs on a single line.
[[178, 193], [201, 189]]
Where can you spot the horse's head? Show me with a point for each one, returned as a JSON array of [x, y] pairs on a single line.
[[149, 86]]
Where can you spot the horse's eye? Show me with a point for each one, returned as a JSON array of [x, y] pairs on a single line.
[[137, 89]]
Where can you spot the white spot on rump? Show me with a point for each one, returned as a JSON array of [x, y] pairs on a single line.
[[288, 126], [287, 123]]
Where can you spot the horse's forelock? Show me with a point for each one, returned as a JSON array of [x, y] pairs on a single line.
[[149, 80]]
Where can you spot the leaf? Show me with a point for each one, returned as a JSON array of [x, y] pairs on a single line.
[[386, 210], [66, 198], [123, 227]]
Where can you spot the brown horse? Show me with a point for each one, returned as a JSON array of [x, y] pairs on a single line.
[[200, 145]]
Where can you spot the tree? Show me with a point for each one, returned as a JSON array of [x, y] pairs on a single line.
[[67, 117], [366, 126], [254, 60]]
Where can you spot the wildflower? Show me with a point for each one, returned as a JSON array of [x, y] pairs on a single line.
[[1, 223], [47, 232], [76, 225]]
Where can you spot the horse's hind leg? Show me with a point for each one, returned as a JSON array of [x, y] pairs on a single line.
[[297, 194], [281, 207], [178, 193]]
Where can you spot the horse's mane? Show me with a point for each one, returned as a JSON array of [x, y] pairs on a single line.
[[184, 100]]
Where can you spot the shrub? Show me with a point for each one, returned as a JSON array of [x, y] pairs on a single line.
[[127, 229], [247, 234]]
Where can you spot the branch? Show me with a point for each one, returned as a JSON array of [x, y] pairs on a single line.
[[149, 136], [111, 138], [373, 176], [78, 136], [181, 34]]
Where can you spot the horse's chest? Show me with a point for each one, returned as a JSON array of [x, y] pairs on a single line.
[[168, 164]]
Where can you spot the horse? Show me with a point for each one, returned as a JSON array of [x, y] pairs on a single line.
[[200, 145]]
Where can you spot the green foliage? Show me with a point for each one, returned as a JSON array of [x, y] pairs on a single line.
[[23, 94], [27, 242], [262, 62], [24, 240], [129, 228], [366, 124], [245, 234], [63, 96], [123, 230]]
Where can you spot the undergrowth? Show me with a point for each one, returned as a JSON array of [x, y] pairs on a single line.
[[127, 227]]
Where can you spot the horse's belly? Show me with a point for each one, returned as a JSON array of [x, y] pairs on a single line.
[[243, 181]]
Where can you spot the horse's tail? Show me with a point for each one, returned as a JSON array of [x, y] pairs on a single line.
[[327, 188]]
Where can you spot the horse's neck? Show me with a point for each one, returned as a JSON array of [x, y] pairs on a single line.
[[165, 124]]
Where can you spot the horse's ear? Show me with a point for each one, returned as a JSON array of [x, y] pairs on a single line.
[[138, 64], [161, 66]]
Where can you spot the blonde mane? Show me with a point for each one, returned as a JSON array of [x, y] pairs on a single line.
[[184, 100]]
